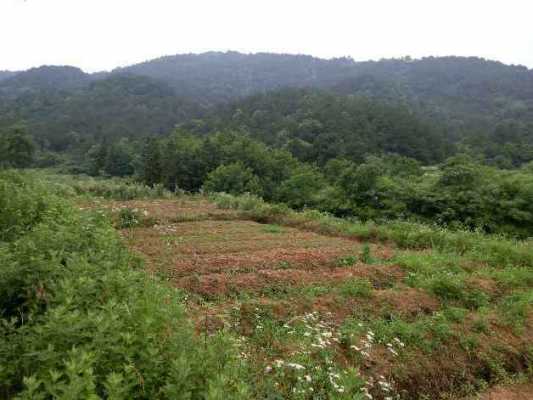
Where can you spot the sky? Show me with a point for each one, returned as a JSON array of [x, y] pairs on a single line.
[[100, 35]]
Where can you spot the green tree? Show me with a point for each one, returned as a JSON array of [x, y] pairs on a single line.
[[119, 159], [17, 148], [303, 188], [233, 178], [183, 164], [97, 156], [151, 162]]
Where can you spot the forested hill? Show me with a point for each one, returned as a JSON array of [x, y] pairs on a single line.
[[468, 93], [216, 77], [61, 106], [316, 126], [43, 78], [483, 105], [6, 74]]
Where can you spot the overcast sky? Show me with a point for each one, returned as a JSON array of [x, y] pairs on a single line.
[[103, 34]]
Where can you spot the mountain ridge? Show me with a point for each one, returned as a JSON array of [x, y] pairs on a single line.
[[468, 98]]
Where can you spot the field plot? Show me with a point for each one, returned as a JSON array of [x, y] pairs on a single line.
[[318, 313]]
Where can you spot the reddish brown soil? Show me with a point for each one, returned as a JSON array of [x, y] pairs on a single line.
[[221, 283], [409, 301], [513, 392], [214, 257]]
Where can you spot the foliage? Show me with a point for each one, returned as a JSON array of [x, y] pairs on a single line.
[[438, 140], [79, 321], [419, 108], [493, 250], [316, 126], [16, 148], [232, 178], [110, 188]]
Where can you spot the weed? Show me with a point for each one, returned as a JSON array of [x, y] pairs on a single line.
[[455, 314], [514, 309], [356, 288], [346, 261], [366, 257], [131, 218], [275, 229]]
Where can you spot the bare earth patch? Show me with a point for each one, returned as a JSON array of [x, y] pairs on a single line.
[[513, 392], [214, 256]]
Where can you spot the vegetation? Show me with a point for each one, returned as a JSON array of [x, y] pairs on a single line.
[[317, 126], [80, 320], [266, 227], [418, 108], [461, 193], [357, 140]]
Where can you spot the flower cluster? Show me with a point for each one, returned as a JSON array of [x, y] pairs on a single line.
[[165, 229], [366, 344], [395, 343]]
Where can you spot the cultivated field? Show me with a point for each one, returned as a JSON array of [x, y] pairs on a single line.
[[312, 307]]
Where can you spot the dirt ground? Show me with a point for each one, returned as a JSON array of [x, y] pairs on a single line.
[[212, 251], [513, 392]]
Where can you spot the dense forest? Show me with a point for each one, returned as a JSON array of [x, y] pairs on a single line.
[[477, 104], [446, 140], [316, 126]]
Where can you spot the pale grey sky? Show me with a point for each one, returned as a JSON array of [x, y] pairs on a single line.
[[103, 34]]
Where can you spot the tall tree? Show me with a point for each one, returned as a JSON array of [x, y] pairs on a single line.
[[17, 148], [151, 158]]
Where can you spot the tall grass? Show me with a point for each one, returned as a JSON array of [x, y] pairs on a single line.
[[108, 188], [491, 249]]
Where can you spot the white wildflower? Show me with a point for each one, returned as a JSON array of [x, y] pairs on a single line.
[[295, 366]]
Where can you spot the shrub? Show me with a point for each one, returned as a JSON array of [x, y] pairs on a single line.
[[234, 179], [133, 217], [79, 320], [22, 204], [114, 188]]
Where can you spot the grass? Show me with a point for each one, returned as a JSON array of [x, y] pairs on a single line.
[[494, 250], [481, 283]]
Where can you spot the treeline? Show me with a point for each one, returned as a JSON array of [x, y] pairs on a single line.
[[460, 192], [356, 158]]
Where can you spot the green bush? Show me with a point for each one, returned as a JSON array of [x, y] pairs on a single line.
[[22, 204], [79, 320], [133, 217], [110, 188], [234, 179]]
